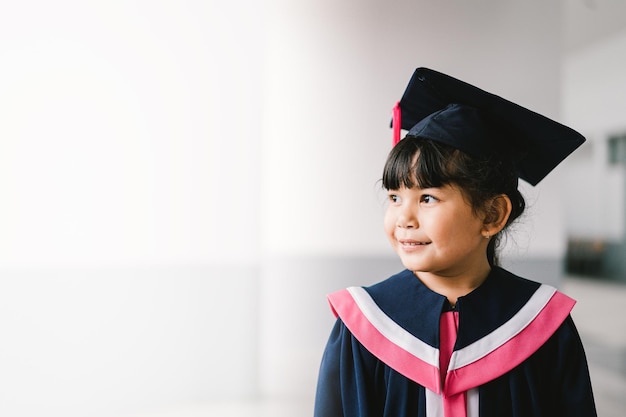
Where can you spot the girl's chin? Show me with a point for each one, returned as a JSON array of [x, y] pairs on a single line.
[[414, 266]]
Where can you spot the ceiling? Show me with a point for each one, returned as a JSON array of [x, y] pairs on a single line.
[[589, 21]]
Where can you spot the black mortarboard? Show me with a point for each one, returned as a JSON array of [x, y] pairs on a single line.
[[441, 108]]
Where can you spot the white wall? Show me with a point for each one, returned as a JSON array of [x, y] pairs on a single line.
[[130, 131], [594, 98], [129, 227], [334, 72]]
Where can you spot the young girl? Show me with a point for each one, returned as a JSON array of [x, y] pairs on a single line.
[[454, 335]]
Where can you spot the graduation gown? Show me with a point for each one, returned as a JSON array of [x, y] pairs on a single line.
[[516, 353]]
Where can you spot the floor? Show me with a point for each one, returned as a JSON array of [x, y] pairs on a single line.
[[598, 317], [602, 326], [260, 409]]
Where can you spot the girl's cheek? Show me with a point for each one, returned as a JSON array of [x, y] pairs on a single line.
[[389, 219]]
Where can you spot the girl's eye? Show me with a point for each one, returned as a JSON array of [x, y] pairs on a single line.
[[427, 198], [394, 198]]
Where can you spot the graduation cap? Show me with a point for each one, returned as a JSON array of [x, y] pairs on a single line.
[[441, 108]]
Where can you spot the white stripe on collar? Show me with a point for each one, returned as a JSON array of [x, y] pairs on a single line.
[[392, 330], [504, 333]]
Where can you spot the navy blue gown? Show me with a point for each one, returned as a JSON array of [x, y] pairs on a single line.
[[517, 352]]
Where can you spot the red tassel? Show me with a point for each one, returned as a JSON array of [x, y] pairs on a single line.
[[396, 123]]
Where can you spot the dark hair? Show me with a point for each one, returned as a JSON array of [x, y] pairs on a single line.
[[480, 179]]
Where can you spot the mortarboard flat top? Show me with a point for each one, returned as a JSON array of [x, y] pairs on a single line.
[[441, 108]]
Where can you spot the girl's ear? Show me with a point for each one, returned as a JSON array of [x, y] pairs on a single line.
[[497, 214]]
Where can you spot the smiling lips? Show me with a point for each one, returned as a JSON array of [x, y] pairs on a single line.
[[406, 242]]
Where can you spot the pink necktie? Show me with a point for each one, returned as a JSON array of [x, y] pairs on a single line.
[[454, 405]]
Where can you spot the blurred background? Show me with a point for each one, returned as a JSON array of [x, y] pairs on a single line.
[[182, 182]]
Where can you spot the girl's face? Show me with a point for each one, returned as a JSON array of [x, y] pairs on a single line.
[[435, 231]]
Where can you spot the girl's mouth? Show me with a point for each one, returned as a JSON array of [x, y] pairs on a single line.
[[412, 243]]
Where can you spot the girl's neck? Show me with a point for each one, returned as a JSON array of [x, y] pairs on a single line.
[[453, 287]]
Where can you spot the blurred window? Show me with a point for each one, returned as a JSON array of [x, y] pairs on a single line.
[[617, 149]]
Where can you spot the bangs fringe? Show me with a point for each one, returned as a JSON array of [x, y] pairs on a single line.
[[415, 162]]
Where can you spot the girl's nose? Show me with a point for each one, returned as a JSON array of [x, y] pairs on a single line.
[[407, 219]]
